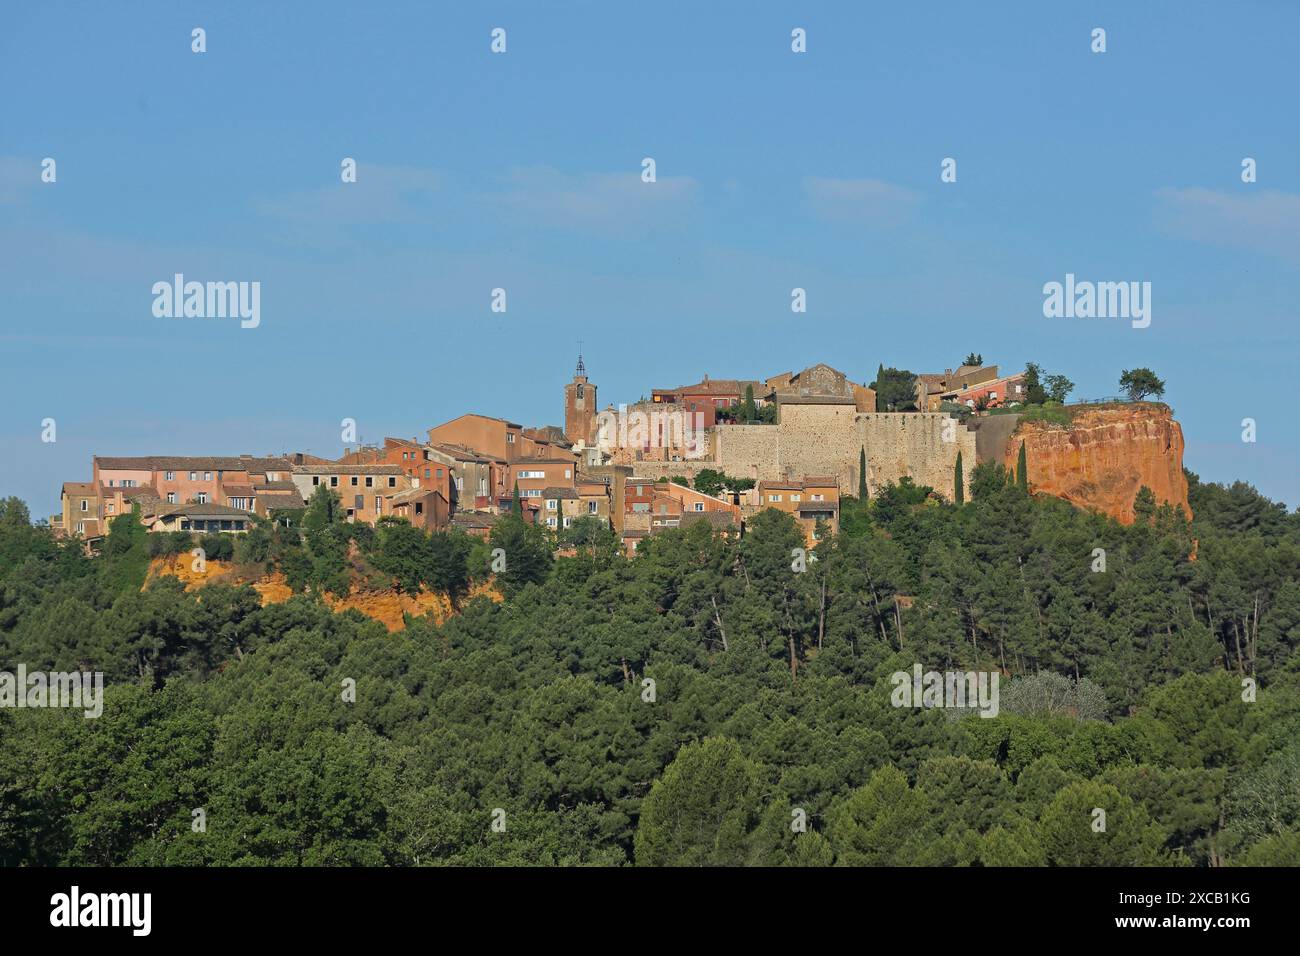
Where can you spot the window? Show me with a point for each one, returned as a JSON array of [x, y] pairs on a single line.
[[359, 502], [532, 474], [201, 497], [772, 498], [663, 509], [460, 483], [552, 504], [796, 497], [568, 522], [379, 504], [334, 481], [392, 481], [111, 507], [640, 507], [591, 507], [81, 527], [568, 473], [419, 508], [993, 396], [354, 481], [482, 486], [207, 476], [111, 482], [170, 476], [818, 498], [528, 492], [426, 472], [171, 497], [510, 438], [699, 506], [550, 522], [194, 476], [370, 482], [85, 505], [580, 392], [239, 525], [272, 476], [315, 480]]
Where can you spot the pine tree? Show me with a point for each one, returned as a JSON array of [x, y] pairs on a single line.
[[1022, 470], [959, 483], [862, 474]]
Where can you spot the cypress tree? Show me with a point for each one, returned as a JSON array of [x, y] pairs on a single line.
[[1022, 470], [515, 508], [959, 483], [862, 474]]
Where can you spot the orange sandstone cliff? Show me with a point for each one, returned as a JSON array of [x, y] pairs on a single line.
[[1105, 455], [388, 607]]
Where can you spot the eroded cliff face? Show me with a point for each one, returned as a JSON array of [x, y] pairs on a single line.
[[387, 607], [1104, 457]]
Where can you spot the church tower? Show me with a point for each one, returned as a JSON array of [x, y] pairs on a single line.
[[580, 408]]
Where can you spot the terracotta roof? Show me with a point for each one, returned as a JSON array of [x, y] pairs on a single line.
[[410, 494], [190, 463], [203, 511], [794, 398], [718, 519], [817, 506], [344, 469], [238, 491], [820, 481], [139, 491], [558, 493], [80, 488], [780, 485], [474, 519], [282, 499], [717, 386], [462, 452], [275, 486]]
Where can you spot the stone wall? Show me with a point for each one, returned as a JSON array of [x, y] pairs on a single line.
[[913, 444], [827, 439]]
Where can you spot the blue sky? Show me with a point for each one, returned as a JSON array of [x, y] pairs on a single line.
[[522, 170]]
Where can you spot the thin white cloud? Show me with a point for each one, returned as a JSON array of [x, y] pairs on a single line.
[[17, 177], [381, 194], [1267, 221], [860, 201], [604, 203]]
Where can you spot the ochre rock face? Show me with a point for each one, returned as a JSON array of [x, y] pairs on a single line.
[[1104, 457], [387, 607]]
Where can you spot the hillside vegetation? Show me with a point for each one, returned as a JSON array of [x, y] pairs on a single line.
[[690, 706]]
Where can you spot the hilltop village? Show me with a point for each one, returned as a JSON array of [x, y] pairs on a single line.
[[717, 451]]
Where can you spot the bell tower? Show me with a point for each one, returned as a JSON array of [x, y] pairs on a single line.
[[580, 408]]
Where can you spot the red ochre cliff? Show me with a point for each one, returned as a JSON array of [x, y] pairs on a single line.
[[1106, 454]]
